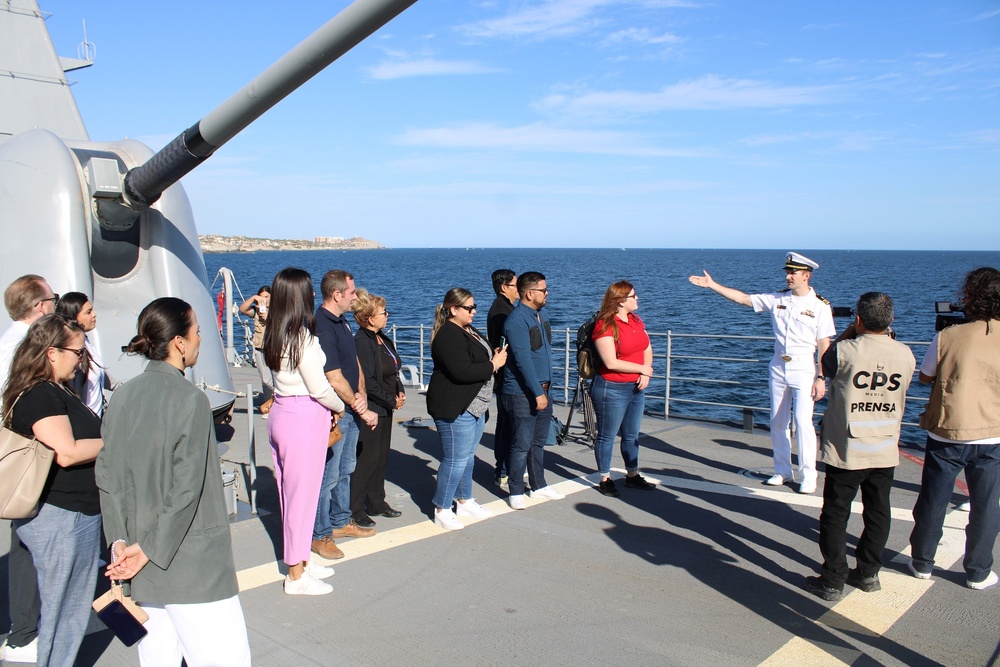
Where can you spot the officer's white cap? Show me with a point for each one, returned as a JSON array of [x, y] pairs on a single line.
[[796, 261]]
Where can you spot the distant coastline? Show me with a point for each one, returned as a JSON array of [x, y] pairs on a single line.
[[213, 243]]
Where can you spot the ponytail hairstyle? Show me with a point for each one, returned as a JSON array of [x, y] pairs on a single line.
[[455, 297], [160, 322], [613, 300], [30, 365], [290, 316], [70, 304]]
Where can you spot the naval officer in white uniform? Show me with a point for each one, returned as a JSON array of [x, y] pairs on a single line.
[[803, 324]]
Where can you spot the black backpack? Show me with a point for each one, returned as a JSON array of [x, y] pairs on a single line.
[[587, 360]]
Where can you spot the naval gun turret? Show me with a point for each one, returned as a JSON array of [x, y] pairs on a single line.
[[108, 218]]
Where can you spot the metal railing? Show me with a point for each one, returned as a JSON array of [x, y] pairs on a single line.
[[687, 375]]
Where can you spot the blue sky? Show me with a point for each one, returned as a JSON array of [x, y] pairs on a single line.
[[577, 123]]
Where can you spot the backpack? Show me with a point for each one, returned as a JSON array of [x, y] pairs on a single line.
[[587, 360]]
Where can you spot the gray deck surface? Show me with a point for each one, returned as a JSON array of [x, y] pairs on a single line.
[[708, 568]]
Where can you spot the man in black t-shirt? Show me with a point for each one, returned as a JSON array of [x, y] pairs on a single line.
[[505, 286]]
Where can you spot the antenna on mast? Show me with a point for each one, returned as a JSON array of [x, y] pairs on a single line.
[[86, 51]]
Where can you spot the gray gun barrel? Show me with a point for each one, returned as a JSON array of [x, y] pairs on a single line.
[[145, 183]]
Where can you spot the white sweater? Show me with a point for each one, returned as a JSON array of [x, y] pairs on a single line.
[[308, 378]]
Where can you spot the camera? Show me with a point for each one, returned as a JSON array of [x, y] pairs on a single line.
[[948, 314]]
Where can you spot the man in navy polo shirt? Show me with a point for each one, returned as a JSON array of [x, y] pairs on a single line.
[[333, 514]]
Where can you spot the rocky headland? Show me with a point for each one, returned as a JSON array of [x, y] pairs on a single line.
[[218, 243]]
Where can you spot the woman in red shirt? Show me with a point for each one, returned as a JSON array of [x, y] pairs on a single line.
[[618, 391]]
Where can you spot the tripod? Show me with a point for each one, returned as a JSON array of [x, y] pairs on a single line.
[[589, 418]]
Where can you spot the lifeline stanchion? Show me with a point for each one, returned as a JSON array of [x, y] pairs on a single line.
[[251, 453]]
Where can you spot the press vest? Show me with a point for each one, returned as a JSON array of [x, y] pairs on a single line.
[[865, 404], [965, 397]]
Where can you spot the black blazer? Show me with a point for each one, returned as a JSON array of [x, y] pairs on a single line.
[[461, 368], [379, 400]]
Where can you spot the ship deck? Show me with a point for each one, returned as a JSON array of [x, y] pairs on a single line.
[[708, 568]]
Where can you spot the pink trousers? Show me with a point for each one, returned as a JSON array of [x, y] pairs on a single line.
[[298, 428]]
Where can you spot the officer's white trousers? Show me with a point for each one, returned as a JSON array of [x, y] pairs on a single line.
[[791, 387]]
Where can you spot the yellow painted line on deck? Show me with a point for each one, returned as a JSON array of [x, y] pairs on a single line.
[[270, 573], [875, 613]]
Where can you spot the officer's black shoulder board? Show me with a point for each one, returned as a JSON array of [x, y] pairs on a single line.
[[826, 301]]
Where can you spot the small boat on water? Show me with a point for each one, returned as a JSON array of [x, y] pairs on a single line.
[[110, 219]]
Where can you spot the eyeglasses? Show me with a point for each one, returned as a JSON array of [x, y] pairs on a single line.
[[513, 284], [78, 351], [384, 312], [54, 299], [468, 308], [633, 295], [544, 290]]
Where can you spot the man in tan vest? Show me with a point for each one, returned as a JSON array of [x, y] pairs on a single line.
[[870, 373], [963, 432]]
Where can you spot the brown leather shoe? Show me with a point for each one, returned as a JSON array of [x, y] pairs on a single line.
[[325, 548], [353, 530]]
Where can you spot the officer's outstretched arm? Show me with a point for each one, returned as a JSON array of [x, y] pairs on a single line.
[[733, 295]]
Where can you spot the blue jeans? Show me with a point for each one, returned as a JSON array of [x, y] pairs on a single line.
[[65, 547], [527, 447], [459, 439], [334, 509], [619, 407], [942, 463]]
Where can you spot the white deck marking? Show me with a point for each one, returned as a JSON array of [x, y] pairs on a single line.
[[876, 612], [269, 573]]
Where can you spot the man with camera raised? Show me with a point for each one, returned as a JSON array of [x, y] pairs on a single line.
[[870, 374]]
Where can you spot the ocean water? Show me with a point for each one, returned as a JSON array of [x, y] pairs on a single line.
[[413, 281]]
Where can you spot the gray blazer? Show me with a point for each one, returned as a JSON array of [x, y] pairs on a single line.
[[160, 485]]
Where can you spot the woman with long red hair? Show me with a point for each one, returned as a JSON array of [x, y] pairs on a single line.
[[618, 391]]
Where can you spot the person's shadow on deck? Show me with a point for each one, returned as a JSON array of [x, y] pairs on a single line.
[[793, 610]]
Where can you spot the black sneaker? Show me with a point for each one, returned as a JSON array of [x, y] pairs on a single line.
[[866, 584], [637, 482], [821, 589], [607, 487]]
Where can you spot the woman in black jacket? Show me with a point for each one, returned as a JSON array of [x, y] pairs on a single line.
[[380, 366], [458, 397]]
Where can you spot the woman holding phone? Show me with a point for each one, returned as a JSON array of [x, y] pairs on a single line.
[[458, 397]]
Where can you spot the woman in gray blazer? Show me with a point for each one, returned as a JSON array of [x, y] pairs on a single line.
[[162, 501]]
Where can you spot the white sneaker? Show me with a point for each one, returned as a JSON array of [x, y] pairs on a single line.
[[990, 579], [317, 571], [471, 508], [918, 574], [447, 520], [26, 653], [306, 585], [965, 507], [807, 487], [775, 480], [547, 493], [517, 502]]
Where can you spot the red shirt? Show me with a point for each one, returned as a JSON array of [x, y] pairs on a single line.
[[631, 346]]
